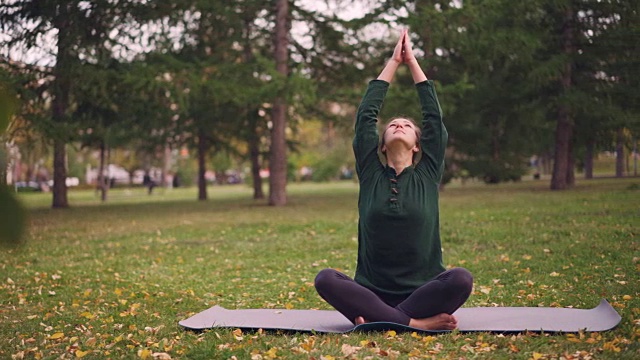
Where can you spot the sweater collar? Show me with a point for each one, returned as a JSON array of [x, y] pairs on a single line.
[[392, 172]]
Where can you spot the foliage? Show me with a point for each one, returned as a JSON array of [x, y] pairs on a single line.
[[113, 280], [160, 74], [13, 219]]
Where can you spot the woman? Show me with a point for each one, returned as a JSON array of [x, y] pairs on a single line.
[[400, 276]]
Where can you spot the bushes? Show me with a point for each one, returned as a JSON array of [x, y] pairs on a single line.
[[493, 172]]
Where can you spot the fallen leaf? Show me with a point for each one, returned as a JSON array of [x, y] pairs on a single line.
[[348, 350], [144, 353], [80, 353], [58, 335], [272, 353], [161, 356]]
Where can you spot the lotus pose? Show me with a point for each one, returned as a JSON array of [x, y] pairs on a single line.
[[400, 276]]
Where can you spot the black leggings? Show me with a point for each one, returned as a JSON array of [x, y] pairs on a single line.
[[443, 294]]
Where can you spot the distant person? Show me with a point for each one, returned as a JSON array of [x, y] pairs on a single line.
[[534, 161], [400, 276], [176, 180], [149, 183]]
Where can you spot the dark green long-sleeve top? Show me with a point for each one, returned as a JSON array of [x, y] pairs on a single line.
[[398, 230]]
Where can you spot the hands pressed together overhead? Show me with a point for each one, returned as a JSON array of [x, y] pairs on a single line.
[[403, 54]]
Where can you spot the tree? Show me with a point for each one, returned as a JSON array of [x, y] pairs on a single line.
[[278, 157], [13, 220], [81, 30], [516, 69]]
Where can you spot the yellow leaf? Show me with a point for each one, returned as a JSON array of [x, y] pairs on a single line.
[[80, 353], [391, 333], [627, 297], [428, 338], [57, 335], [288, 306], [308, 344], [144, 353], [537, 356], [415, 335], [118, 291], [272, 353], [88, 315], [368, 343]]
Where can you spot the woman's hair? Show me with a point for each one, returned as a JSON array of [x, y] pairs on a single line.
[[416, 128]]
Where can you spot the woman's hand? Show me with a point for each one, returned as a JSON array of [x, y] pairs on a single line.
[[399, 51], [396, 59], [410, 59], [403, 53], [407, 48]]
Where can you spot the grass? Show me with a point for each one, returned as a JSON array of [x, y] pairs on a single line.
[[113, 280]]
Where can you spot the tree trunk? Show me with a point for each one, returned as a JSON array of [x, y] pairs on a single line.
[[635, 157], [254, 155], [203, 147], [166, 168], [60, 92], [278, 155], [620, 153], [101, 180], [253, 119], [571, 165], [4, 163], [59, 175], [588, 159], [560, 179]]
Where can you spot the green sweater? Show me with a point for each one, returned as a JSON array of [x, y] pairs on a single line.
[[398, 230]]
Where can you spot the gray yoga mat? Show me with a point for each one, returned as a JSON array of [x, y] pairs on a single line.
[[489, 319]]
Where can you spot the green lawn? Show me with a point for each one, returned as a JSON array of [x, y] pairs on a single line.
[[113, 280]]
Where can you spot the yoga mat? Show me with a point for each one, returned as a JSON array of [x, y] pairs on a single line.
[[472, 319]]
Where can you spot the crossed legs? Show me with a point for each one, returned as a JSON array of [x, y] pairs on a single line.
[[428, 307]]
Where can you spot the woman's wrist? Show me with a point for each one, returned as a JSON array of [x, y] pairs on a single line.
[[394, 62], [412, 62]]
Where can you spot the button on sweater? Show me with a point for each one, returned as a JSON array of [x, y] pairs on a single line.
[[399, 245]]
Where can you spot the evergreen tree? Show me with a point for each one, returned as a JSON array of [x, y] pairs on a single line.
[[83, 29]]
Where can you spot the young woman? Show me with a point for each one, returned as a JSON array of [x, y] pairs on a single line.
[[400, 276]]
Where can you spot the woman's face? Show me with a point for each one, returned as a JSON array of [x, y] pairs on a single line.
[[400, 130]]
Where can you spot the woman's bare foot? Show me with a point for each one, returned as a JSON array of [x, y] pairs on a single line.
[[438, 322]]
